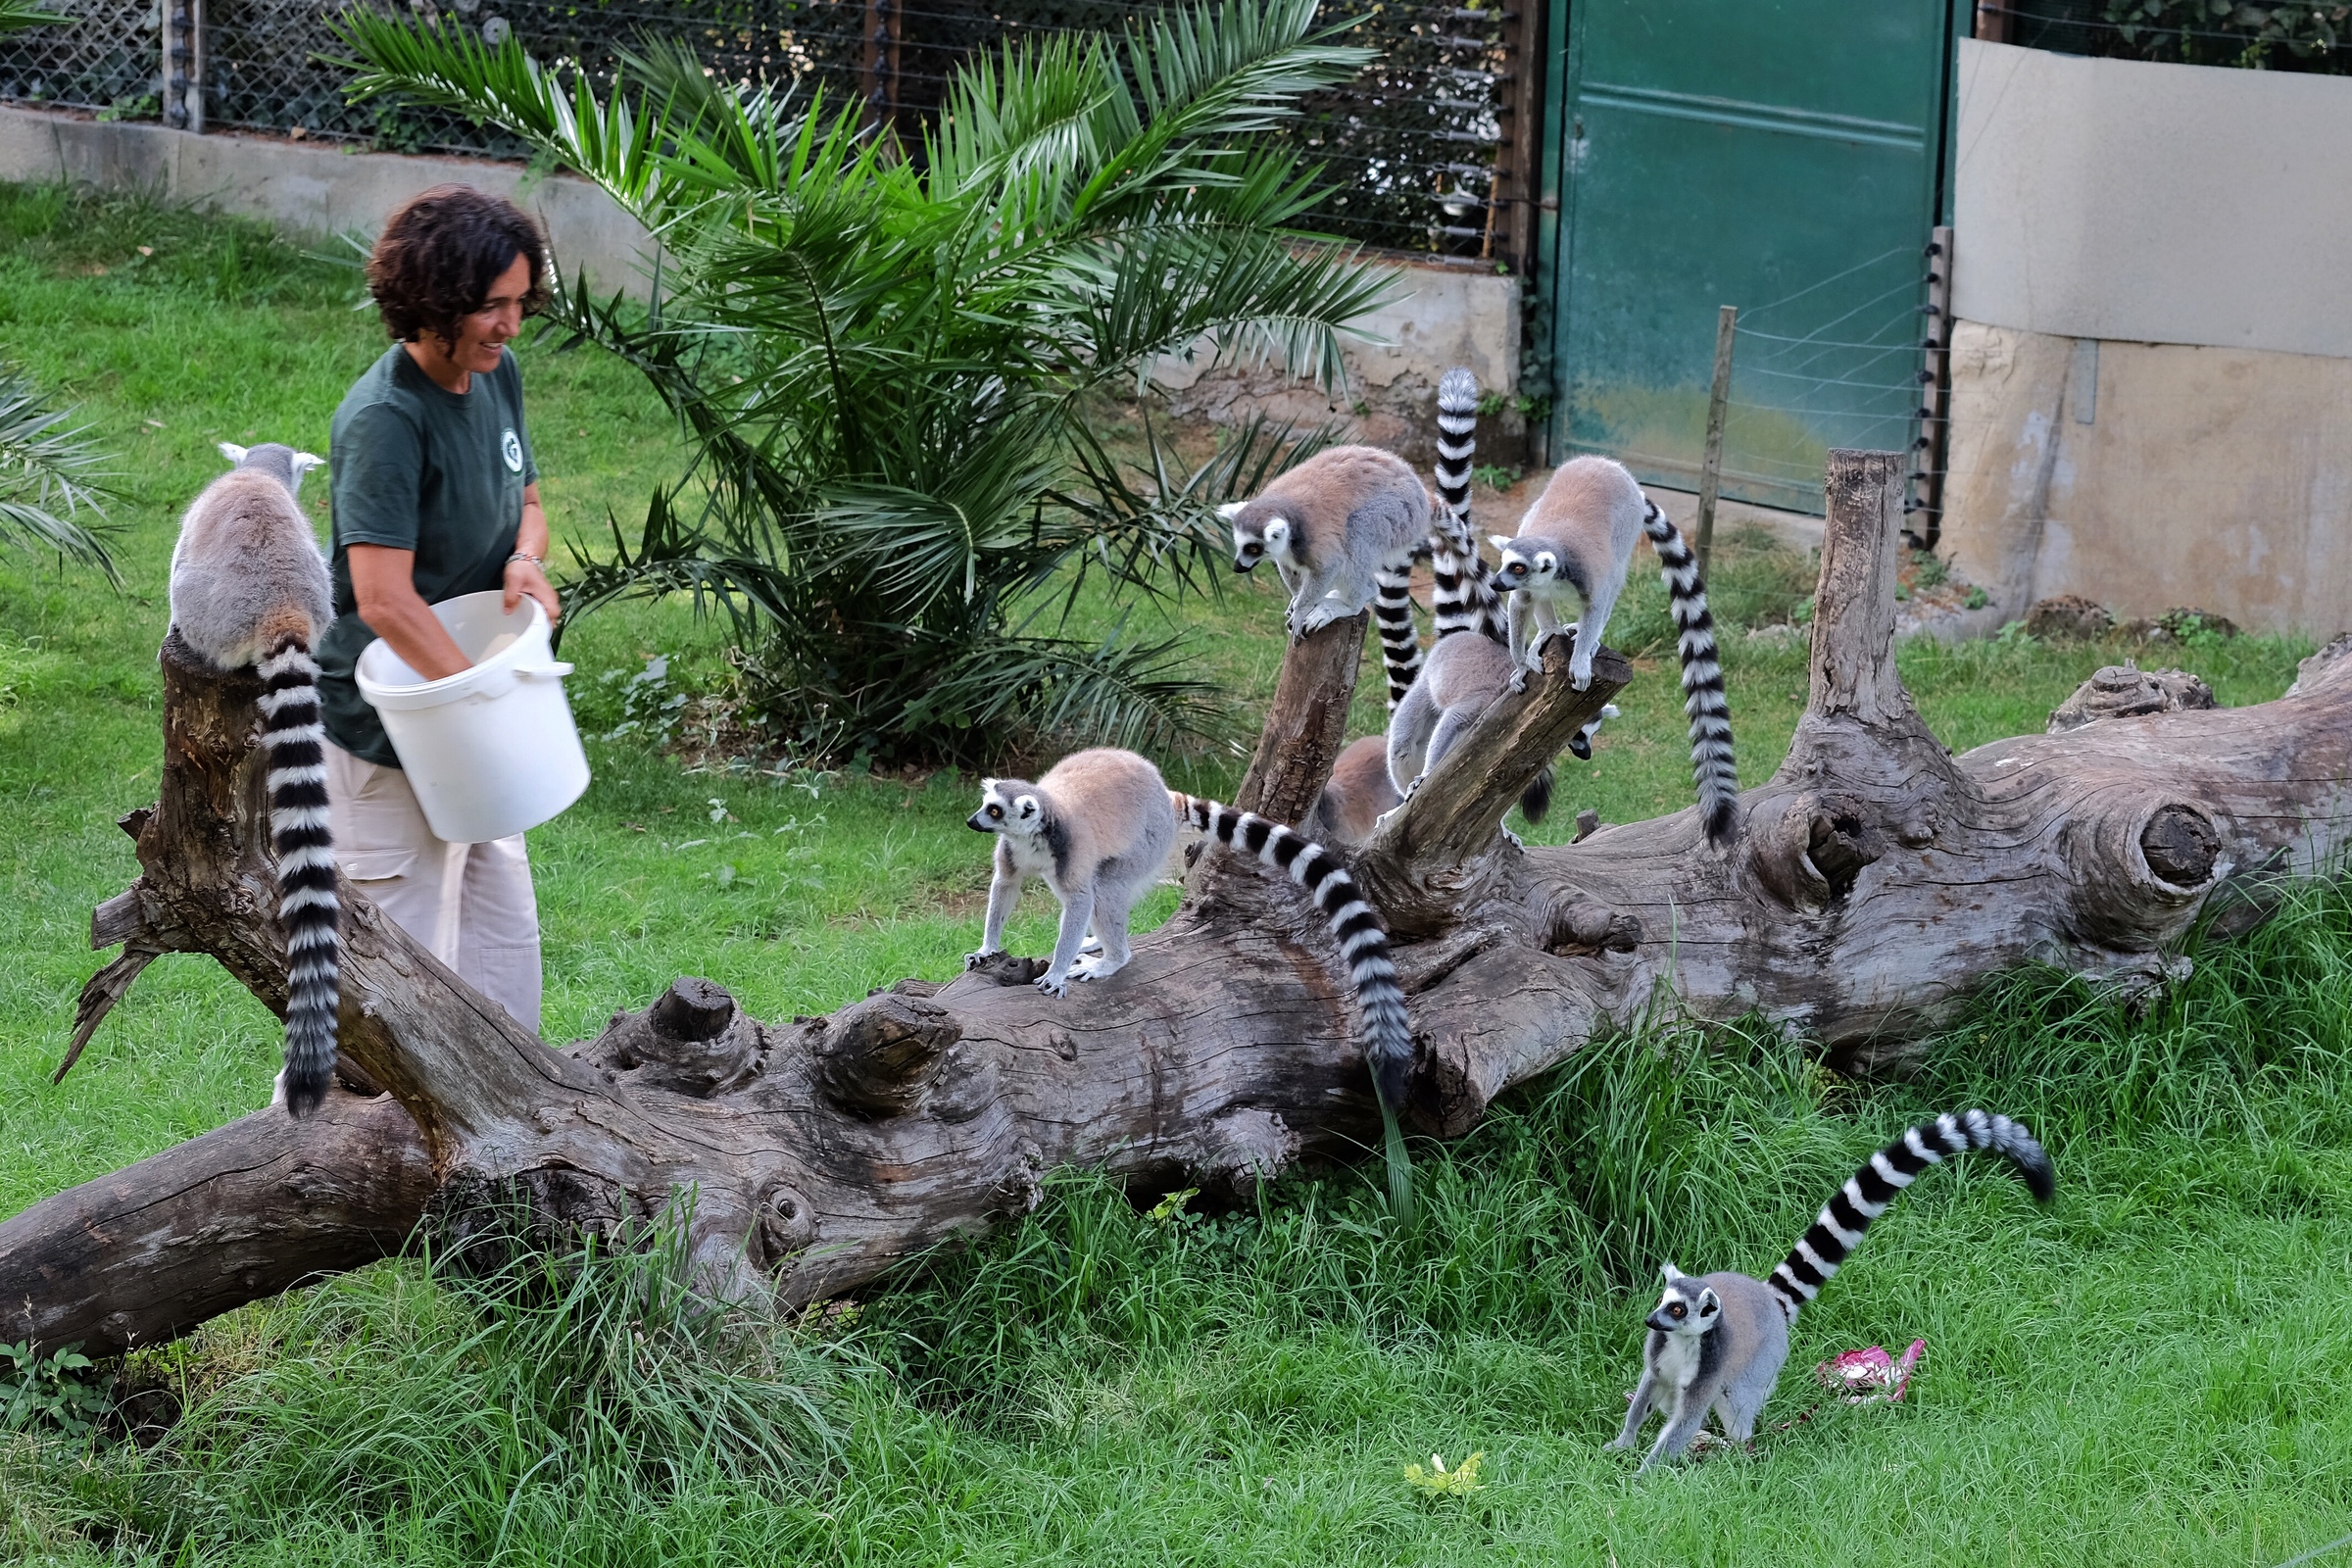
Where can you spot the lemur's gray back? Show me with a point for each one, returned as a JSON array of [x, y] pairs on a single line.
[[250, 587], [247, 565]]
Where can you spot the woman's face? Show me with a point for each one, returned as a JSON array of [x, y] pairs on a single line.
[[483, 335]]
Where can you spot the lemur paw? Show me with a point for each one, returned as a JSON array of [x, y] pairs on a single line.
[[1621, 1443], [1053, 987], [973, 960], [1517, 842], [1581, 679], [1518, 681]]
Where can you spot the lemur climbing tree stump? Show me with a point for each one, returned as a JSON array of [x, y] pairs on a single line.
[[1870, 883]]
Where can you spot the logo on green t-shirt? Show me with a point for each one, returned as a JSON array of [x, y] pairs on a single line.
[[511, 446]]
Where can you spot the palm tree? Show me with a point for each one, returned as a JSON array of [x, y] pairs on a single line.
[[884, 354], [48, 477]]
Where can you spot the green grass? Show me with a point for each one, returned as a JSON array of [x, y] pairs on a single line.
[[2154, 1365]]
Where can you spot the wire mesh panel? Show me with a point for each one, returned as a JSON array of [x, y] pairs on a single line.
[[1410, 144], [108, 55]]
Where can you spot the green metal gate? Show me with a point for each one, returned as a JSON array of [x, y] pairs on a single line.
[[1784, 156]]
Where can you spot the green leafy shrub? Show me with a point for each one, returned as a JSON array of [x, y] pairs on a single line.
[[891, 367]]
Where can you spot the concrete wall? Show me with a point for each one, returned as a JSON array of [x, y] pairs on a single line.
[[2152, 371], [2160, 204], [2149, 475], [315, 189], [1445, 316]]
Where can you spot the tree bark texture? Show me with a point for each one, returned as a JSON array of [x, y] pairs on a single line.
[[1869, 883]]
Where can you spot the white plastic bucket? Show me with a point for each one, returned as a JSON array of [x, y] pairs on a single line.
[[491, 750]]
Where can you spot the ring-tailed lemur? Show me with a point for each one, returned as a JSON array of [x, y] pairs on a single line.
[[1578, 538], [1718, 1339], [1356, 795], [250, 587], [1465, 676], [1097, 830], [1337, 527]]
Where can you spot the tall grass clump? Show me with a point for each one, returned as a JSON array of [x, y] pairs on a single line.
[[552, 1395], [887, 360]]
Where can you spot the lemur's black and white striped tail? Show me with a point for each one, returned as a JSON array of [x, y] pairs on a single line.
[[1702, 676], [294, 742], [1463, 599], [1399, 644], [1364, 943], [1870, 1190]]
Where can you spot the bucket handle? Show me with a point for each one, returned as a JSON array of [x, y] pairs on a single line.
[[551, 671]]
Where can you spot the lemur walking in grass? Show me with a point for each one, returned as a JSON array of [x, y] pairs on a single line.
[[1578, 539], [1096, 829], [250, 587], [1717, 1341]]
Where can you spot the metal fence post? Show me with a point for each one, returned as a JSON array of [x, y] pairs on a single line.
[[184, 63], [1710, 468]]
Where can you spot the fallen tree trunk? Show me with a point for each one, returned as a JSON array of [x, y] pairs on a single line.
[[1868, 884]]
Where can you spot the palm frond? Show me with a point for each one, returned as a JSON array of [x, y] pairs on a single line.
[[49, 476], [17, 14]]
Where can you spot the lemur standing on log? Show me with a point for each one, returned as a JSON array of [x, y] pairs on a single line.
[[250, 587], [1096, 829], [1719, 1340], [1339, 528], [1578, 538]]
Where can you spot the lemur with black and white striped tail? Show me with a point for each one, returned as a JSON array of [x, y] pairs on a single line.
[[1578, 539], [250, 587], [1718, 1340], [1097, 828]]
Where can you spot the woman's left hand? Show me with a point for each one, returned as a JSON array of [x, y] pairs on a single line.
[[523, 578]]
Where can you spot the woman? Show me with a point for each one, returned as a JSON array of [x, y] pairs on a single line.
[[435, 495]]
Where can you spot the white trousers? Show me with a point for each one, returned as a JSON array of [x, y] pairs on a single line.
[[470, 905]]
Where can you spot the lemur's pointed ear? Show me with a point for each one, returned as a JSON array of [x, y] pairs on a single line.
[[1231, 510], [1709, 1304], [1546, 561], [234, 453], [1670, 1272], [305, 462], [1027, 805], [987, 784], [1501, 541]]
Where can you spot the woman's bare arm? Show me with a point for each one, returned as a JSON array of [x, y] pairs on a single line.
[[383, 581], [531, 539]]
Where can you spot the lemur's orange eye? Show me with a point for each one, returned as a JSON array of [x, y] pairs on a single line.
[[997, 812], [1677, 1309]]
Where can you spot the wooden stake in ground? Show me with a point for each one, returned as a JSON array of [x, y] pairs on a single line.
[[1867, 885], [1710, 465]]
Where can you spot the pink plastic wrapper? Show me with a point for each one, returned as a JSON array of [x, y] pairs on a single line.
[[1865, 1377]]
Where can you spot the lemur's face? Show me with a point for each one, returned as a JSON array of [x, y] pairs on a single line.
[[1254, 538], [1686, 1306], [1006, 805], [1526, 563]]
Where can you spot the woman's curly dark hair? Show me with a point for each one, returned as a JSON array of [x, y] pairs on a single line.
[[438, 257]]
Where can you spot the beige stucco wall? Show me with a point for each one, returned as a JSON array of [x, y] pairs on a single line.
[[2148, 475], [2162, 204], [2152, 369]]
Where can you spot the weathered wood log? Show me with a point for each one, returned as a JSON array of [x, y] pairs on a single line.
[[1869, 883]]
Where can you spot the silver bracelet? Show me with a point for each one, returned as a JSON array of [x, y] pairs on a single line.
[[525, 555]]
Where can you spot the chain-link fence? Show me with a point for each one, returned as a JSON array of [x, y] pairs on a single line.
[[109, 57], [1409, 146]]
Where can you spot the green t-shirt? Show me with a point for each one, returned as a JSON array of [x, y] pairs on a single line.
[[416, 468]]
